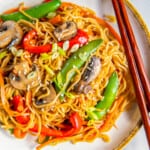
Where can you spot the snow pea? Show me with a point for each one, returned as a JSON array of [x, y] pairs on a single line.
[[103, 106], [38, 11], [77, 60]]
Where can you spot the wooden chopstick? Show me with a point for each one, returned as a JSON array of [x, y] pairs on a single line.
[[136, 52], [136, 66]]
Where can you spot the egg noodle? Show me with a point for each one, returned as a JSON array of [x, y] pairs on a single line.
[[57, 111]]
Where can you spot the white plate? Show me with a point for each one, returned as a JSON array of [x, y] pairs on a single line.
[[129, 122]]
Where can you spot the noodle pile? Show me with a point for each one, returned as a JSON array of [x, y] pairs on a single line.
[[53, 114]]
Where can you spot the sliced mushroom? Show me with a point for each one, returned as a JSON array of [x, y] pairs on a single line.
[[10, 34], [65, 31], [90, 73], [82, 87], [24, 77], [50, 95]]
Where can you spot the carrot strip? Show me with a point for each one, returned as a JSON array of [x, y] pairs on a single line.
[[18, 133], [55, 20], [2, 88], [11, 10], [1, 78]]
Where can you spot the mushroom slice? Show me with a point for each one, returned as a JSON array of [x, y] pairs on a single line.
[[66, 31], [82, 87], [24, 77], [91, 72], [10, 33], [50, 95]]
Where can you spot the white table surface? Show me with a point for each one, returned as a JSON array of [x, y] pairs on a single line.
[[139, 142]]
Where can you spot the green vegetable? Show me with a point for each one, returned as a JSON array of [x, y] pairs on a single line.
[[11, 130], [16, 52], [103, 106], [70, 95], [51, 15], [61, 52], [42, 139], [45, 56], [3, 54], [35, 12], [31, 75], [64, 77]]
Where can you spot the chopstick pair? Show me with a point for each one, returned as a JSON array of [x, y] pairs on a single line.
[[136, 66]]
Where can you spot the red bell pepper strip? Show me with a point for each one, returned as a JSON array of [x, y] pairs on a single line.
[[81, 38], [19, 106], [75, 120], [47, 131], [23, 119], [33, 48]]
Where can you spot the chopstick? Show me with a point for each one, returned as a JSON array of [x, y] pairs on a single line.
[[136, 52], [136, 66]]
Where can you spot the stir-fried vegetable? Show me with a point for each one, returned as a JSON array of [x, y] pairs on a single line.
[[10, 34], [81, 38], [42, 138], [32, 48], [65, 31], [47, 98], [3, 54], [77, 60], [18, 133], [90, 73], [19, 105], [103, 106], [77, 41], [75, 121], [23, 80], [35, 12], [54, 19]]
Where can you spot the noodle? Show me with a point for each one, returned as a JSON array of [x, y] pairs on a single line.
[[57, 111]]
